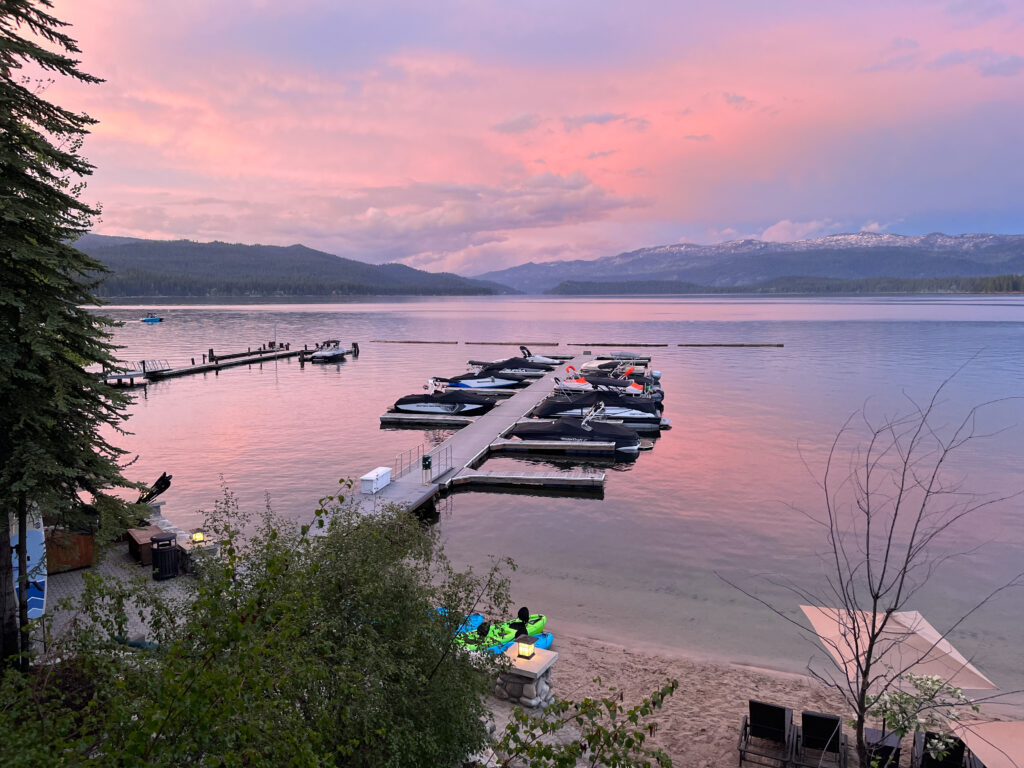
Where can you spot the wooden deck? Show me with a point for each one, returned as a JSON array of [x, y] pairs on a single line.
[[467, 448], [426, 419], [216, 366], [583, 448], [478, 477]]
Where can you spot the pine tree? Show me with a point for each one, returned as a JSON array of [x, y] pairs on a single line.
[[52, 456]]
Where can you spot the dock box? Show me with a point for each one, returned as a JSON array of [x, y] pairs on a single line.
[[376, 479]]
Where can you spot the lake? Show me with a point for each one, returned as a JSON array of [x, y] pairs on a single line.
[[718, 498]]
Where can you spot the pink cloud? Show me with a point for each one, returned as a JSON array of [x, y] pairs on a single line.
[[439, 156]]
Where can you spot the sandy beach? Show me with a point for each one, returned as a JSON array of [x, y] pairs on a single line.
[[699, 725]]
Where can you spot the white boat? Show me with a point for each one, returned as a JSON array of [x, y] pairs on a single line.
[[617, 367], [437, 399], [484, 380], [588, 429], [616, 405], [328, 351]]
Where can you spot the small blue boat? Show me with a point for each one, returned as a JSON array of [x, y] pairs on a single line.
[[151, 318]]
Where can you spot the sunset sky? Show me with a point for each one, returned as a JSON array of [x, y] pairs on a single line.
[[471, 135]]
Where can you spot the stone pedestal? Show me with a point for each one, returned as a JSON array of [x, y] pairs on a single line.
[[528, 683]]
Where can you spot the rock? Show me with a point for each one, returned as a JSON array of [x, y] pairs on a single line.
[[515, 690], [531, 703], [542, 688], [530, 691], [500, 692]]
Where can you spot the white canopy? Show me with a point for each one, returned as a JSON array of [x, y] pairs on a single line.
[[907, 644]]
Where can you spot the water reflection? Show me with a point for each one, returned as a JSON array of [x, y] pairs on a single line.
[[721, 492]]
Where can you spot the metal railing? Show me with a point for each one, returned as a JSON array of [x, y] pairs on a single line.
[[436, 462], [405, 461]]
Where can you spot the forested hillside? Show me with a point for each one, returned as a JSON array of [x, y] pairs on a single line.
[[782, 285], [187, 268]]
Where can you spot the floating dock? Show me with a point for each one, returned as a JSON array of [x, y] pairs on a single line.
[[582, 448], [425, 420], [471, 445], [570, 480], [219, 363]]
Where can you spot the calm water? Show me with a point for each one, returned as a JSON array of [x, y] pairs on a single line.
[[715, 496]]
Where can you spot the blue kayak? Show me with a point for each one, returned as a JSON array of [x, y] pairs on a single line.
[[469, 624], [544, 641]]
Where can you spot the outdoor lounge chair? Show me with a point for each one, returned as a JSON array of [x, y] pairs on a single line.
[[820, 741], [767, 735], [919, 757], [883, 747]]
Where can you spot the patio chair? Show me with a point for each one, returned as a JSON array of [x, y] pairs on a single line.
[[767, 735], [883, 747], [919, 757], [820, 741]]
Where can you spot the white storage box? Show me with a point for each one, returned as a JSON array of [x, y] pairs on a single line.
[[376, 479]]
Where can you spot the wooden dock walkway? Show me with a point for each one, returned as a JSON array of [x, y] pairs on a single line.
[[219, 364], [467, 448], [575, 479], [414, 420]]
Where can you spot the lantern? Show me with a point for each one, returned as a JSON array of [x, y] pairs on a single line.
[[525, 646]]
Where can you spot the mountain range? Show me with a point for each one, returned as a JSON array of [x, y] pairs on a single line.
[[746, 262], [142, 267]]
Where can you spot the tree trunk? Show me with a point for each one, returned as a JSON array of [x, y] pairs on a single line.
[[26, 638], [8, 607], [862, 712]]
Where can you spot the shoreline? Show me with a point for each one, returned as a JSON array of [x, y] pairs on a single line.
[[699, 725]]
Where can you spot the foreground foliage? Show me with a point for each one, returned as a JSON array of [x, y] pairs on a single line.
[[51, 452], [605, 733], [317, 646], [290, 649]]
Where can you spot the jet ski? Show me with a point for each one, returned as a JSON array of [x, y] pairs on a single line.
[[440, 400], [526, 354], [587, 429], [485, 380]]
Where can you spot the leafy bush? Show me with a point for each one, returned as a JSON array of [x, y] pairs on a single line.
[[318, 646]]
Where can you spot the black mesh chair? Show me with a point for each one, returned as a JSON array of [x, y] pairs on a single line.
[[883, 747], [919, 757], [767, 735], [820, 741]]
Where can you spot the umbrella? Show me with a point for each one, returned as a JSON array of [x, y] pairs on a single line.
[[996, 744], [908, 644]]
